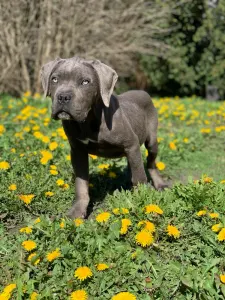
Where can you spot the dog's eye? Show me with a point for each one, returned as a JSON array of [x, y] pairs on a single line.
[[85, 81], [54, 79]]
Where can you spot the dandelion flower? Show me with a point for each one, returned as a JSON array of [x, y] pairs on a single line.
[[26, 198], [29, 245], [144, 238], [103, 217], [222, 278], [207, 179], [53, 146], [83, 273], [4, 165], [53, 255], [9, 288], [68, 157], [27, 230], [60, 182], [160, 165], [216, 227], [78, 222], [112, 174], [103, 166], [124, 211], [116, 211], [34, 296], [172, 146], [201, 213], [12, 187], [102, 267], [2, 129], [125, 224], [173, 231], [214, 215], [124, 296], [222, 181], [38, 220], [62, 224], [93, 156], [54, 172], [49, 194], [221, 235], [148, 225], [153, 208], [79, 295]]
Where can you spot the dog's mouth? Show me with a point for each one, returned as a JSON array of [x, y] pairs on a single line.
[[62, 115]]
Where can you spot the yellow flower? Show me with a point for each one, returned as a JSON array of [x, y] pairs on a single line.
[[160, 166], [2, 129], [205, 130], [54, 172], [172, 146], [124, 296], [53, 255], [38, 220], [153, 208], [60, 182], [12, 187], [134, 255], [53, 146], [45, 139], [222, 181], [125, 224], [148, 225], [49, 194], [29, 245], [34, 296], [13, 150], [201, 213], [102, 267], [9, 288], [214, 215], [78, 222], [31, 256], [103, 217], [103, 166], [83, 273], [222, 278], [46, 156], [93, 156], [27, 94], [112, 175], [65, 186], [124, 211], [62, 224], [173, 231], [53, 167], [68, 157], [216, 227], [144, 238], [4, 165], [79, 295], [116, 211], [207, 179], [186, 140], [221, 235], [26, 198], [27, 229]]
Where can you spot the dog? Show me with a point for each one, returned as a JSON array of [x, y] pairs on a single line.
[[97, 121]]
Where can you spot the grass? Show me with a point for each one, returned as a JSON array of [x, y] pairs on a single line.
[[186, 265]]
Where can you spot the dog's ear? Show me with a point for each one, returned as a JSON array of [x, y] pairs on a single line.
[[107, 80], [46, 72]]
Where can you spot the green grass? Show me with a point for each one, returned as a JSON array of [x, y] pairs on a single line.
[[188, 267]]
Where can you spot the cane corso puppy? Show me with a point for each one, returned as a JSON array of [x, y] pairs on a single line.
[[96, 121]]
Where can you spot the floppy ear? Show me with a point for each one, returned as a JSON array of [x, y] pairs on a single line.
[[107, 80], [46, 72]]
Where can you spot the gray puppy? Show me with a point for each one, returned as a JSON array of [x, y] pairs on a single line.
[[99, 122]]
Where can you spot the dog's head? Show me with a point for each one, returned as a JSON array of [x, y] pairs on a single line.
[[74, 84]]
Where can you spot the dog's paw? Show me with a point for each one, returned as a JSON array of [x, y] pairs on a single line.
[[76, 211]]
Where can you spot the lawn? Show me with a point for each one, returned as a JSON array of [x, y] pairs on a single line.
[[135, 244]]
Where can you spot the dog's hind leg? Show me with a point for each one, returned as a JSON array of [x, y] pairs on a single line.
[[151, 145]]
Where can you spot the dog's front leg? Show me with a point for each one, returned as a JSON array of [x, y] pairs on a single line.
[[136, 165], [79, 158]]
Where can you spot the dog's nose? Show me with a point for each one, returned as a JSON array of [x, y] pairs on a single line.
[[64, 97]]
